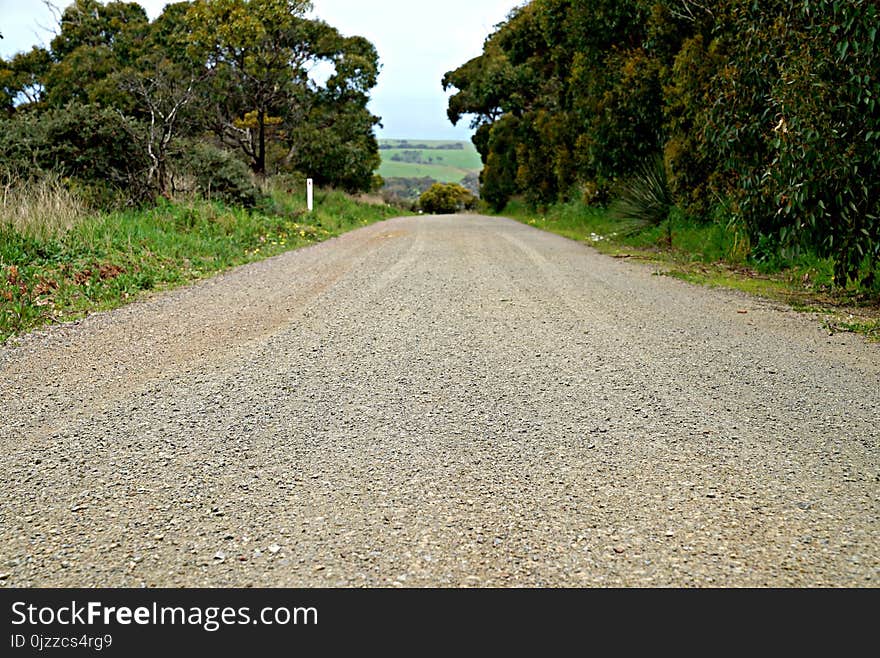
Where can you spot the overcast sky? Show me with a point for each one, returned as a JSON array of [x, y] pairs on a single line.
[[418, 41]]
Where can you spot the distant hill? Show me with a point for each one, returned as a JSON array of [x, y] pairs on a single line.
[[411, 165]]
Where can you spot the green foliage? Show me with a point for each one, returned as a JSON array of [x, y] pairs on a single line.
[[219, 174], [483, 85], [799, 123], [498, 178], [446, 199], [644, 199], [335, 143], [336, 146], [90, 146], [239, 69], [94, 41], [764, 112], [260, 53], [20, 79]]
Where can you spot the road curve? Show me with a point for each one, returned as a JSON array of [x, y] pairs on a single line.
[[456, 401]]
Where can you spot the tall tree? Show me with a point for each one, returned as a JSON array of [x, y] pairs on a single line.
[[163, 92], [21, 79], [165, 84], [93, 43], [260, 53], [334, 139]]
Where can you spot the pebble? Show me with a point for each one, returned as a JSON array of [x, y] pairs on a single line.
[[312, 396]]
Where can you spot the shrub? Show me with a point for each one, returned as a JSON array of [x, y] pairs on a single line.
[[446, 198], [691, 160], [407, 189], [219, 174], [644, 199], [796, 120], [90, 145]]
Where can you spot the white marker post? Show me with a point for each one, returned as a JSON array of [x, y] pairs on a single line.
[[310, 194]]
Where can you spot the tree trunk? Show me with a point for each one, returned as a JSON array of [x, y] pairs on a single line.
[[260, 168], [162, 177]]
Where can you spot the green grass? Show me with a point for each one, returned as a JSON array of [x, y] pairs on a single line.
[[107, 260], [468, 160], [449, 166], [716, 256], [439, 173]]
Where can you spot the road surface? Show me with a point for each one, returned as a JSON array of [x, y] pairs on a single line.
[[457, 401]]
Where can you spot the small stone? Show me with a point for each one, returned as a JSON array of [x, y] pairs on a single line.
[[320, 567], [158, 537], [619, 550], [219, 556], [4, 576], [274, 548]]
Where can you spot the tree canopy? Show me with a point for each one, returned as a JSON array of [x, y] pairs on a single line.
[[258, 78], [763, 113]]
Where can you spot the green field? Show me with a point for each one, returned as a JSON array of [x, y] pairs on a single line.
[[468, 160], [407, 170], [434, 143], [444, 165]]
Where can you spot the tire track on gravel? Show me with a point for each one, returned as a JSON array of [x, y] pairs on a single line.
[[457, 401]]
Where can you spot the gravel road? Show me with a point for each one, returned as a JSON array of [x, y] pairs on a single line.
[[458, 401]]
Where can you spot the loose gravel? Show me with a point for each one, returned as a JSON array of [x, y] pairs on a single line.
[[457, 401]]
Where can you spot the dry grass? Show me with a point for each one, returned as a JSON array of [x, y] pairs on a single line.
[[369, 199], [43, 208]]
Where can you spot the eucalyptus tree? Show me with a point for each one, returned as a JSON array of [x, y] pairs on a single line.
[[260, 54]]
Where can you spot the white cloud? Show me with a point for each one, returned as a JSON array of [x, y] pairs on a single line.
[[418, 42]]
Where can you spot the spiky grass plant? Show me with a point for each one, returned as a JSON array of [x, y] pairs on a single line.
[[644, 199]]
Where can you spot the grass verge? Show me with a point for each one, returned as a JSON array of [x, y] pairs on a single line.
[[106, 260], [713, 255]]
